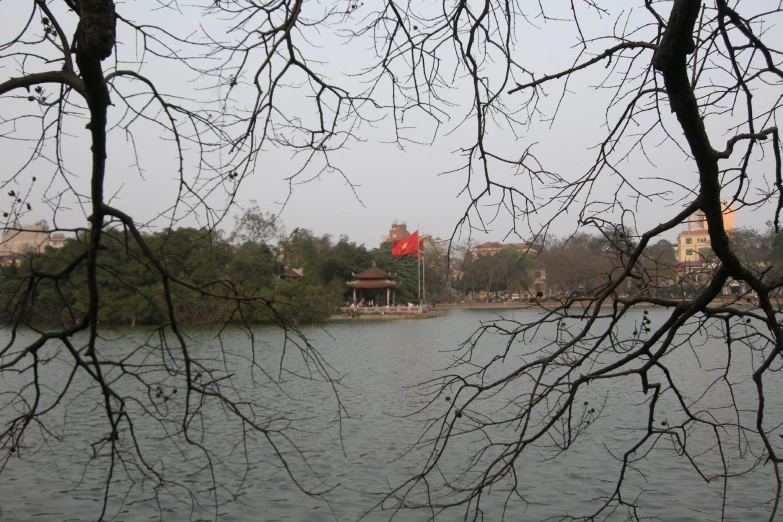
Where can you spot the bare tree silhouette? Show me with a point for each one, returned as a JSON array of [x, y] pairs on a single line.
[[89, 61], [712, 65]]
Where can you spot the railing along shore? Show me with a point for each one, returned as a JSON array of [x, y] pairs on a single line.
[[385, 309]]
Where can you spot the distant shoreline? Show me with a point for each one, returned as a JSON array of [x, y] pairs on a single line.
[[380, 314], [549, 304]]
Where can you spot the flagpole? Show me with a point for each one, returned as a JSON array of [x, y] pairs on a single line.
[[418, 265], [423, 267]]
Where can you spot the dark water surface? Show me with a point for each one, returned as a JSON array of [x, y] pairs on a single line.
[[363, 456]]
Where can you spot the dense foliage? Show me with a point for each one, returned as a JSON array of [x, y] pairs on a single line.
[[219, 269]]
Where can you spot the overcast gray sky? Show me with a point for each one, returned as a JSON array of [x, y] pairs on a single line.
[[390, 183]]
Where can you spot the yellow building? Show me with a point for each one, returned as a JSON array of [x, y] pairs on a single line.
[[694, 244]]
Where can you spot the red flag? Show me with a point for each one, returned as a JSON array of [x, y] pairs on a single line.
[[406, 246], [420, 251]]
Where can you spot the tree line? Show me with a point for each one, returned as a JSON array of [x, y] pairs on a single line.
[[253, 258], [585, 263], [227, 274]]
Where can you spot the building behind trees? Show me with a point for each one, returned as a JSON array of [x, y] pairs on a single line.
[[28, 239]]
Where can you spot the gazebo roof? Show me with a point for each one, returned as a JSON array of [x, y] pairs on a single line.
[[374, 273], [372, 278]]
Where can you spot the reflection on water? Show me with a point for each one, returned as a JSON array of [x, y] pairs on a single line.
[[380, 364]]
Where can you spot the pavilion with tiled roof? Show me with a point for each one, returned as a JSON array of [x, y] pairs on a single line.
[[374, 279]]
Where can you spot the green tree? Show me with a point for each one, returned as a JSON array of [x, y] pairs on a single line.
[[342, 260], [405, 268], [302, 300], [256, 226], [252, 266], [301, 249], [438, 276]]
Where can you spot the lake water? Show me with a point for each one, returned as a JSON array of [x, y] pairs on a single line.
[[361, 457]]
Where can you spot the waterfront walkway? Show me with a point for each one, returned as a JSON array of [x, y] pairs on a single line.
[[385, 312]]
